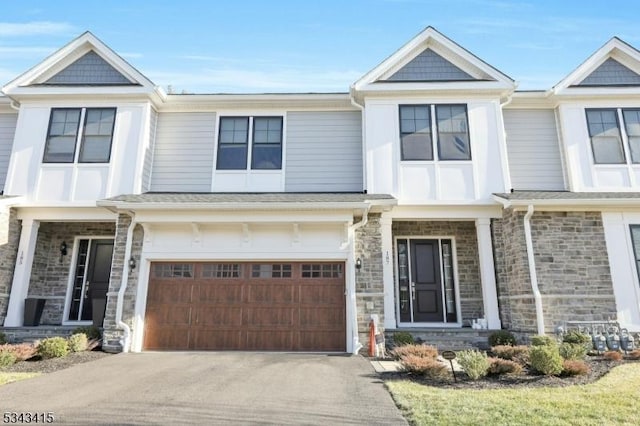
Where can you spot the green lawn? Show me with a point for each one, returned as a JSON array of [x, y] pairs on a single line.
[[14, 377], [613, 400]]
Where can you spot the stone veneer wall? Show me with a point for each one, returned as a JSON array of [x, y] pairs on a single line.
[[369, 283], [50, 271], [466, 249], [9, 239], [112, 335], [571, 265]]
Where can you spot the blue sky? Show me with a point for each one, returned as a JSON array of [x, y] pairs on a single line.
[[311, 46]]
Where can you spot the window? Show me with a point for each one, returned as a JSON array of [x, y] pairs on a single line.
[[271, 271], [264, 134], [317, 270], [635, 240], [606, 141], [173, 270], [221, 270], [417, 130], [94, 138]]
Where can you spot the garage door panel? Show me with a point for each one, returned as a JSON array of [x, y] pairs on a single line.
[[284, 306], [216, 339], [270, 292], [270, 340], [215, 315]]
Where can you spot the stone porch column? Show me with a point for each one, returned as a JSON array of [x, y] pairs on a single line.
[[387, 272], [487, 273], [22, 273]]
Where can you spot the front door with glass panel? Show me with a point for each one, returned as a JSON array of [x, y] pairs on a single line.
[[91, 278], [426, 288]]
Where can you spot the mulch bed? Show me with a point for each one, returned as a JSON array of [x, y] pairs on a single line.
[[598, 368], [36, 365]]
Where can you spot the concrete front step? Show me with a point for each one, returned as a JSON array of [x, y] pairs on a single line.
[[444, 338], [30, 334]]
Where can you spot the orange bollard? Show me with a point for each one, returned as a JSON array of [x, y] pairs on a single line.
[[372, 339]]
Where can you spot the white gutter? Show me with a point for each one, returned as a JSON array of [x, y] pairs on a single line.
[[124, 342], [352, 296], [532, 270]]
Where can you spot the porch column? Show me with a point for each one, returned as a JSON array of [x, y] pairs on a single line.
[[387, 272], [487, 273], [22, 273]]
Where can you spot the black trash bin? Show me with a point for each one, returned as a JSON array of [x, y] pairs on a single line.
[[33, 308]]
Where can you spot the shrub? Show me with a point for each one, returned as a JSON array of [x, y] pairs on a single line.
[[578, 338], [543, 341], [428, 367], [7, 358], [22, 351], [502, 337], [53, 347], [635, 354], [612, 355], [421, 351], [572, 351], [78, 342], [546, 360], [474, 363], [500, 366], [519, 354], [573, 367], [92, 332], [3, 338]]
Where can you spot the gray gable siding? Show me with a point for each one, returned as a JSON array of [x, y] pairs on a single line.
[[429, 66], [7, 132], [534, 153], [183, 152], [611, 73], [89, 69], [148, 155], [324, 152]]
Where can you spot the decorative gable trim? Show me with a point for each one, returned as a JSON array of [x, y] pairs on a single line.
[[89, 69], [430, 42], [429, 66], [38, 80], [616, 64]]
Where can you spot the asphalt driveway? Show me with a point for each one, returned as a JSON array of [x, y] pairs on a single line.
[[209, 388]]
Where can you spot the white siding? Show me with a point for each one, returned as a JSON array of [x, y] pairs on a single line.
[[183, 152], [7, 132], [534, 154], [323, 152], [148, 154]]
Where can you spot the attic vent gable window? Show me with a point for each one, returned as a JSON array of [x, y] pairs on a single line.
[[92, 140]]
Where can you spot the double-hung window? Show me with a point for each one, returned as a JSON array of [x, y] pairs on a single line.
[[254, 141], [610, 141], [66, 137], [449, 131]]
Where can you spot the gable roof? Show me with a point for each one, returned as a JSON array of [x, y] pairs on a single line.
[[615, 64], [68, 66], [434, 60]]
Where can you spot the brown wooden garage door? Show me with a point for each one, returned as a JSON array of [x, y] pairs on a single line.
[[283, 306]]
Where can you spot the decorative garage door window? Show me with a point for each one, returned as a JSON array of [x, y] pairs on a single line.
[[271, 270], [221, 270], [322, 270], [173, 270]]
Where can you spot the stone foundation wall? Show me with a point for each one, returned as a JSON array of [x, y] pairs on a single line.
[[369, 281], [50, 271], [113, 335], [571, 265], [468, 263], [10, 228]]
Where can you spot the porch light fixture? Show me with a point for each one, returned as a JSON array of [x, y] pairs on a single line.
[[358, 263], [132, 264], [63, 250]]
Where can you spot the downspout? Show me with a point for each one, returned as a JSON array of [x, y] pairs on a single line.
[[363, 129], [532, 270], [352, 231], [124, 342]]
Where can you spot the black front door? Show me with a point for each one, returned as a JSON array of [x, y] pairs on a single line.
[[426, 283], [91, 280], [426, 291]]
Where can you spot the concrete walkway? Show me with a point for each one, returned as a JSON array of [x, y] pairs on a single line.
[[210, 388]]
